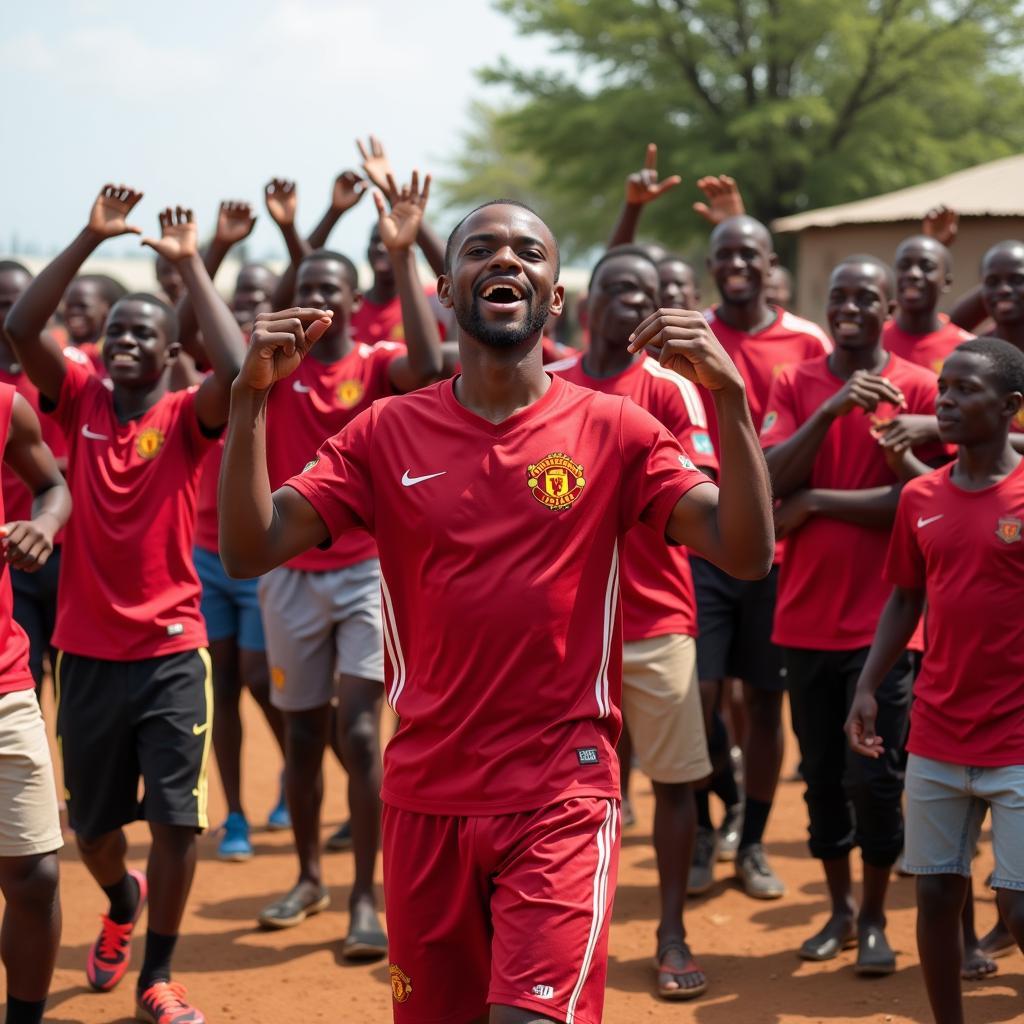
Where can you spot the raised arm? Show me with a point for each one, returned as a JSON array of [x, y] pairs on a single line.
[[348, 189], [260, 529], [642, 187], [282, 202], [28, 544], [222, 340], [731, 525], [38, 353]]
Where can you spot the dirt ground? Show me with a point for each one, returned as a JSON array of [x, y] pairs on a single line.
[[237, 973]]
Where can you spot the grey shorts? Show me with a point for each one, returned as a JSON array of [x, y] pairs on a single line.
[[946, 805], [317, 625]]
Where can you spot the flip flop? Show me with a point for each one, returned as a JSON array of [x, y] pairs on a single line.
[[689, 968], [291, 910], [875, 957], [365, 944]]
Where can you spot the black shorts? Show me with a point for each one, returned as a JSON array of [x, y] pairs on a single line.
[[35, 609], [119, 720], [735, 619]]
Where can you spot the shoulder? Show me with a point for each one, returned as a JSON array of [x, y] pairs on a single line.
[[909, 374], [924, 486], [677, 388], [797, 325]]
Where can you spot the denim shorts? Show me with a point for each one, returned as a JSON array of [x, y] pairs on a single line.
[[230, 607]]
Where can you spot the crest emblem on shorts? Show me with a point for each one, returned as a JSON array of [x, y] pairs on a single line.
[[277, 677], [149, 442], [556, 481], [1008, 530], [350, 393], [401, 986]]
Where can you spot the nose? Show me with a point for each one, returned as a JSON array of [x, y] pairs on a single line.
[[505, 257]]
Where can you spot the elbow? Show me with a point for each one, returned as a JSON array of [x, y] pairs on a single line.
[[754, 567], [237, 566]]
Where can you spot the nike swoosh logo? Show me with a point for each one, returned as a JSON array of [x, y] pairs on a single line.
[[410, 481], [86, 432], [921, 521], [297, 385], [198, 730]]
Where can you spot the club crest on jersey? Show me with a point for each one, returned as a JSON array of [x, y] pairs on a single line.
[[149, 442], [350, 393], [1008, 530], [556, 481], [401, 986]]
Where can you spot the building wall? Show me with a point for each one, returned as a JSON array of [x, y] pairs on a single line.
[[820, 249]]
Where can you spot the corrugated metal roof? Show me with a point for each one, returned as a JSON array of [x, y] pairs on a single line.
[[995, 189]]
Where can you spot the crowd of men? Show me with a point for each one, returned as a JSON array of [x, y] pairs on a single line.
[[553, 563]]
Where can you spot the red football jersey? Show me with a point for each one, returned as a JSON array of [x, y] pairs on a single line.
[[831, 587], [372, 322], [14, 670], [128, 589], [207, 523], [657, 585], [929, 350], [499, 549], [313, 404], [966, 549]]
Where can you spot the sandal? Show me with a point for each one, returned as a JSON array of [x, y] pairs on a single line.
[[679, 974]]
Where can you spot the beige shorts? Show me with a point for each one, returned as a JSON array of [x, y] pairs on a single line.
[[28, 796], [661, 706]]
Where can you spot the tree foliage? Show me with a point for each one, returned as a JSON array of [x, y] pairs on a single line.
[[806, 102]]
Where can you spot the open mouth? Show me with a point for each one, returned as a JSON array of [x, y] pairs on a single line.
[[123, 359], [1006, 306], [847, 328], [910, 291], [504, 294], [737, 281]]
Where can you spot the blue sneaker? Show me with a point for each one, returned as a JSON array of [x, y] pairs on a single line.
[[234, 844], [279, 819]]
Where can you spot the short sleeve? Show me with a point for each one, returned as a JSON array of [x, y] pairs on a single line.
[[657, 471], [78, 382], [338, 483], [781, 419], [904, 564], [199, 439], [686, 418]]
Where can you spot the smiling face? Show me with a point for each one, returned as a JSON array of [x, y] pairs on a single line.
[[501, 282], [741, 259], [253, 289], [858, 305], [136, 348], [970, 405], [1002, 283], [677, 285], [84, 310], [922, 274], [12, 283], [623, 293]]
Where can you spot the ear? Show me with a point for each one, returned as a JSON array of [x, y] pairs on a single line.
[[891, 307], [171, 353], [557, 301], [1014, 403], [773, 260], [444, 291]]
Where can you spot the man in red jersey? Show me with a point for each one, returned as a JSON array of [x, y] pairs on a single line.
[[660, 695], [322, 610], [736, 616], [957, 544], [500, 502], [29, 827], [133, 671], [840, 493]]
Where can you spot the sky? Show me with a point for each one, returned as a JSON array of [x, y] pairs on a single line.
[[194, 102]]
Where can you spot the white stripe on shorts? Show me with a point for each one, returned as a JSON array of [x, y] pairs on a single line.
[[611, 595]]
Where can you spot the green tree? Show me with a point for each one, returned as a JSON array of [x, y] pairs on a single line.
[[806, 102]]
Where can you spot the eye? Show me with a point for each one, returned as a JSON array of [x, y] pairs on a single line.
[[478, 252], [532, 254]]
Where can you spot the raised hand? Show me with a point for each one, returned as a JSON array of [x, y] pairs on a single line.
[[864, 391], [178, 236], [643, 186], [348, 189], [282, 201], [941, 223], [376, 165], [279, 342], [399, 228], [235, 221], [26, 545], [681, 340], [112, 206], [723, 198]]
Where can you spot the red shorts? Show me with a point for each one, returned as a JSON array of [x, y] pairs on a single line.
[[510, 910]]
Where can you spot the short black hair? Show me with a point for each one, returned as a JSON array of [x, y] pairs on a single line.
[[744, 220], [947, 256], [1008, 245], [639, 251], [329, 254], [676, 258], [871, 261], [450, 246], [1007, 361], [109, 287], [12, 266], [172, 329]]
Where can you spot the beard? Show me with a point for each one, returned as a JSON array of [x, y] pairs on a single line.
[[472, 322]]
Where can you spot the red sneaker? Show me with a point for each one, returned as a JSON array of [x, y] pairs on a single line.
[[166, 1002], [112, 951]]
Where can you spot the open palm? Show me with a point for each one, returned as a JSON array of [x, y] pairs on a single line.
[[235, 222], [400, 226], [108, 217], [178, 236]]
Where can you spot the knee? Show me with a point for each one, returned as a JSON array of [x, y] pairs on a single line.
[[358, 736], [764, 709], [32, 885], [178, 840], [256, 673], [937, 898], [674, 795]]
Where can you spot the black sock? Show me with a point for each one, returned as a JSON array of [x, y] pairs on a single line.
[[124, 899], [703, 809], [24, 1011], [755, 817], [723, 785], [157, 963]]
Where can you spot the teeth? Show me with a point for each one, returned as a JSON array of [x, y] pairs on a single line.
[[491, 289]]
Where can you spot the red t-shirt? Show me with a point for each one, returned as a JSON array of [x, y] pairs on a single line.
[[966, 549], [207, 523], [658, 598], [371, 322], [929, 350], [128, 589], [14, 670], [499, 548], [831, 587], [313, 404]]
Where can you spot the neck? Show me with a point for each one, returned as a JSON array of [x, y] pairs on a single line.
[[751, 316], [844, 362], [383, 289], [607, 359], [131, 403], [982, 465], [922, 321], [496, 383], [1011, 332], [330, 348]]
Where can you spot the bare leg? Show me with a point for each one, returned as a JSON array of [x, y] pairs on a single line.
[[31, 925], [227, 722], [940, 900], [171, 867]]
